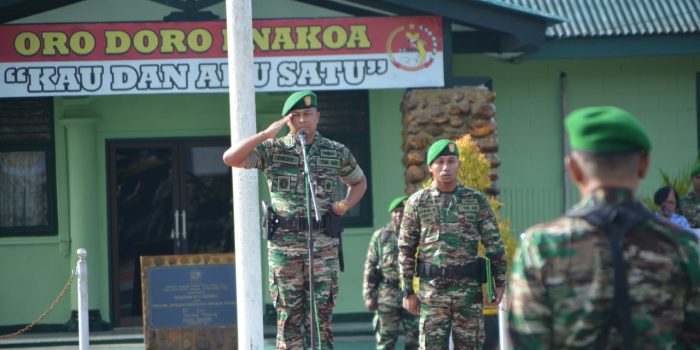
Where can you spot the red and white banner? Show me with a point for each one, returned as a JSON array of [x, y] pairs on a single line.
[[177, 57]]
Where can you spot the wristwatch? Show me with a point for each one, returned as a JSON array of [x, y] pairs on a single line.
[[408, 291]]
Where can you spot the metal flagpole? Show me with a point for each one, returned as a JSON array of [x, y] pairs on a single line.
[[239, 28]]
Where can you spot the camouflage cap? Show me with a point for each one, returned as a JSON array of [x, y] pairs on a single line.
[[606, 129], [695, 170], [397, 203], [299, 99], [443, 147]]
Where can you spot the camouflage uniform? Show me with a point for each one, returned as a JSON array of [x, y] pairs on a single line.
[[445, 229], [283, 167], [690, 208], [382, 256], [562, 284]]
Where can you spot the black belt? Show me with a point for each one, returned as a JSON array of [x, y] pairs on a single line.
[[298, 223], [475, 270]]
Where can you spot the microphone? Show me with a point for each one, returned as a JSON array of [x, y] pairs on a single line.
[[301, 135]]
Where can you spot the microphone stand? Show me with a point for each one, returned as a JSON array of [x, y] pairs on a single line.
[[310, 193]]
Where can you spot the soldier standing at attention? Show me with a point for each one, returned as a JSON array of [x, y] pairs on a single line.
[[444, 224], [282, 163], [690, 203], [381, 284], [608, 274]]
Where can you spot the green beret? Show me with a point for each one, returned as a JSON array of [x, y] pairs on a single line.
[[299, 99], [695, 170], [396, 203], [442, 147], [606, 129]]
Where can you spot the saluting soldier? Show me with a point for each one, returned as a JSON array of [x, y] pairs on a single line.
[[282, 163], [381, 284], [608, 274], [444, 224], [690, 203]]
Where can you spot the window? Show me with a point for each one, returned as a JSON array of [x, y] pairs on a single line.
[[27, 167], [345, 118]]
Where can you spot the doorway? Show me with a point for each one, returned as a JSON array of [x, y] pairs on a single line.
[[167, 196]]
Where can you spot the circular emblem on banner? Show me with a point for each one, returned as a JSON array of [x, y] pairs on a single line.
[[307, 100], [451, 147], [195, 275], [412, 48]]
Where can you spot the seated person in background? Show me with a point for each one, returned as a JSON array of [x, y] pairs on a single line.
[[690, 203], [666, 200]]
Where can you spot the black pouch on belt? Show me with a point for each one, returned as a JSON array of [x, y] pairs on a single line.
[[269, 221], [332, 223]]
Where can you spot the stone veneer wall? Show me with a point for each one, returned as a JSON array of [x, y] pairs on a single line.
[[432, 114]]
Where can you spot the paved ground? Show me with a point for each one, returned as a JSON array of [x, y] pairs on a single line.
[[349, 336], [353, 336], [342, 343]]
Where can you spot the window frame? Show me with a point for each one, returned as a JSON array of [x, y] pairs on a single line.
[[48, 146], [697, 108], [361, 150]]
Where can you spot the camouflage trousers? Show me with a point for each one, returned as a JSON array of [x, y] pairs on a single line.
[[387, 320], [450, 306], [289, 290]]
